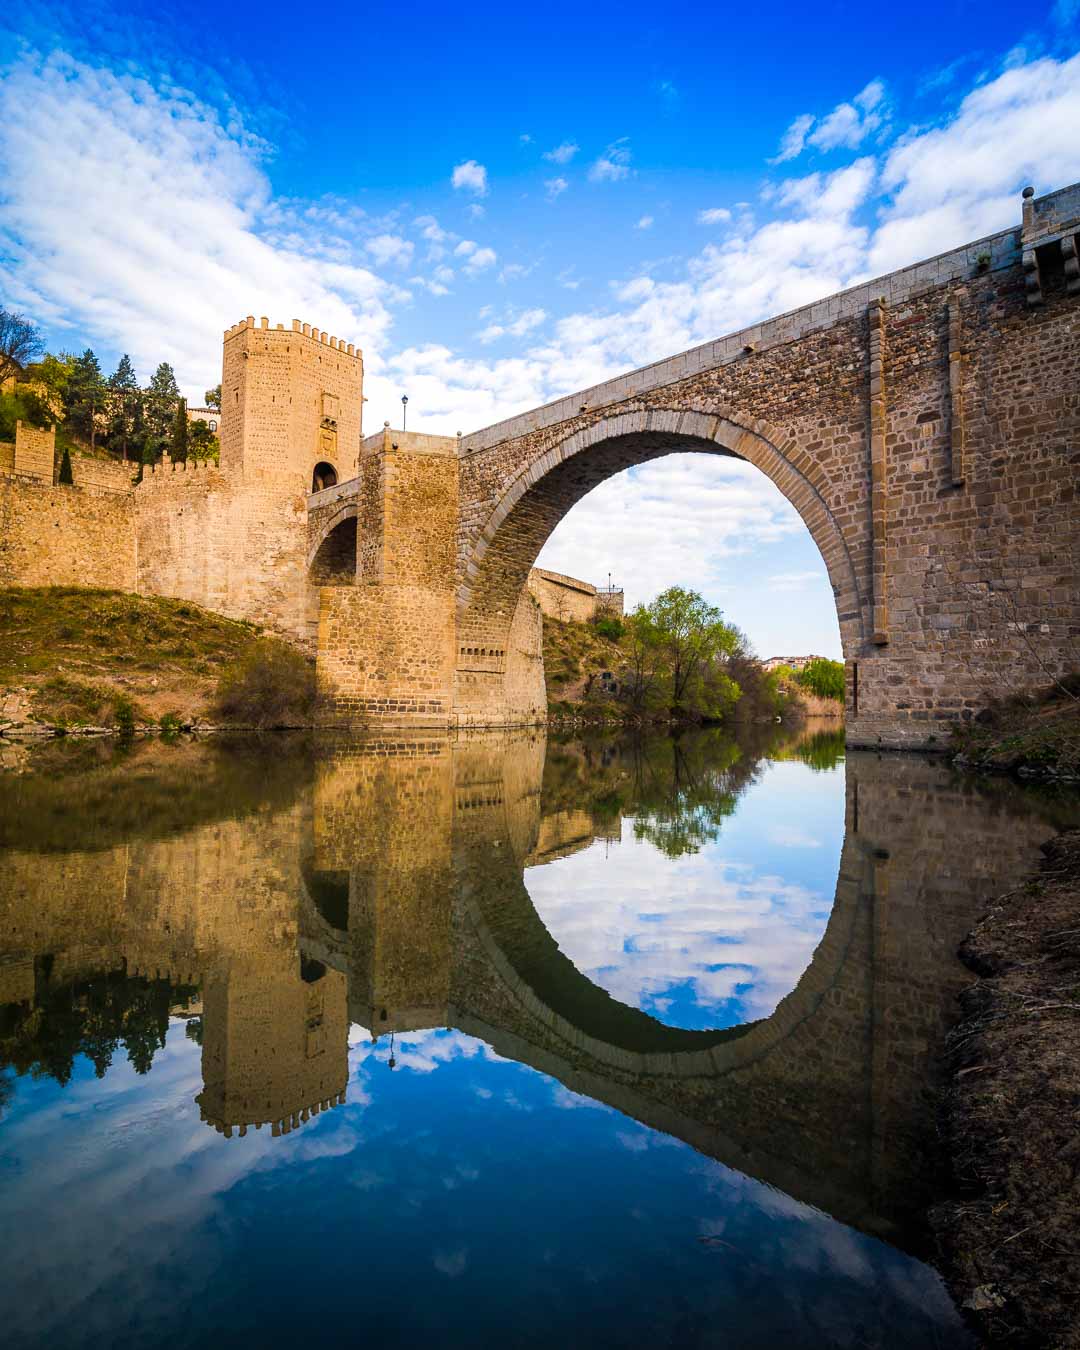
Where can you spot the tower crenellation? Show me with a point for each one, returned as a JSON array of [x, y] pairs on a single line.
[[292, 402]]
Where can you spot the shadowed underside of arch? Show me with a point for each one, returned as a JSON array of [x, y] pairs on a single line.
[[544, 491]]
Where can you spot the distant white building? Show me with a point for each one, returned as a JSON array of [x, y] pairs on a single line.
[[795, 662], [211, 416]]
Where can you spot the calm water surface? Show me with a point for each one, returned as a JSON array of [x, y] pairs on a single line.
[[488, 1042]]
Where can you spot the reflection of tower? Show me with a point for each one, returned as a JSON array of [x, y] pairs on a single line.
[[275, 1045]]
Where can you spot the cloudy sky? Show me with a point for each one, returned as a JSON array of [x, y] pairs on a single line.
[[502, 208]]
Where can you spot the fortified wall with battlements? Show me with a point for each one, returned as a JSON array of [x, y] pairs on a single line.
[[925, 426]]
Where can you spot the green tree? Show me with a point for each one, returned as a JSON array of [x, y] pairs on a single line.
[[213, 397], [203, 445], [23, 404], [125, 406], [162, 396], [179, 450], [85, 396], [147, 456], [54, 372], [823, 678], [694, 643], [67, 478]]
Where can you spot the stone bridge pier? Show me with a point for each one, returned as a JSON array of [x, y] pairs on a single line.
[[925, 426]]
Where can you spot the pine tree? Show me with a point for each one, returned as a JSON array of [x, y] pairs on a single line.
[[179, 450], [85, 396], [67, 478], [125, 404], [161, 399]]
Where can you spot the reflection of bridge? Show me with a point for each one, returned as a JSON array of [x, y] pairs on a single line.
[[391, 893]]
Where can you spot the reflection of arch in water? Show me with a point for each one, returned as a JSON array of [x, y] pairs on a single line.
[[548, 987]]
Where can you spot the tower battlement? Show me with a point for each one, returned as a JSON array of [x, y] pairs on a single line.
[[291, 403], [297, 326]]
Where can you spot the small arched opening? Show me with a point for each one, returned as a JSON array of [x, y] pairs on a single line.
[[332, 564], [324, 475]]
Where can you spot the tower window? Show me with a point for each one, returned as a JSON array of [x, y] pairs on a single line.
[[325, 476]]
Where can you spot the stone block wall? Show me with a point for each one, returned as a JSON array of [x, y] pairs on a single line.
[[386, 653], [61, 536], [561, 597], [35, 452], [105, 475]]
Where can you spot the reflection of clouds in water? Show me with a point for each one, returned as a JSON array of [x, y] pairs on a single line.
[[421, 1051], [147, 1161], [708, 938], [641, 925], [797, 1237], [452, 1263]]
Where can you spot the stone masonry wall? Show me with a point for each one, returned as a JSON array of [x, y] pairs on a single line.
[[925, 428], [61, 536], [562, 597]]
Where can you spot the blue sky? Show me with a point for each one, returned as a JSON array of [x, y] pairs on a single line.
[[502, 207]]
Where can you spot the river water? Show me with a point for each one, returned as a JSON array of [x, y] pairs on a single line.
[[495, 1041]]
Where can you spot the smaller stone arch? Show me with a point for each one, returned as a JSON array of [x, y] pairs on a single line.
[[348, 511]]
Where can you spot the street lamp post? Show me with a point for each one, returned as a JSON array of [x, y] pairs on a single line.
[[404, 409]]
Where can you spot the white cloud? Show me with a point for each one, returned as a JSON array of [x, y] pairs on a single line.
[[684, 514], [714, 215], [518, 326], [475, 211], [555, 187], [848, 125], [430, 229], [390, 248], [794, 139], [794, 581], [178, 234], [612, 165], [470, 177], [562, 154], [644, 223]]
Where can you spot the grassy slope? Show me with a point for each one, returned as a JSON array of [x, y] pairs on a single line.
[[1039, 736], [81, 653], [573, 652]]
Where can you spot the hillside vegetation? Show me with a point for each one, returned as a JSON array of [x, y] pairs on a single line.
[[675, 660], [71, 657]]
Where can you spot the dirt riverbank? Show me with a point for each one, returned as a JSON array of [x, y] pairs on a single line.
[[1010, 1236]]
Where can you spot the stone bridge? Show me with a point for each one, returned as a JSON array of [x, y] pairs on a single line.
[[925, 426]]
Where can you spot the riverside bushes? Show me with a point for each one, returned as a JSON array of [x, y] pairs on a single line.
[[268, 685]]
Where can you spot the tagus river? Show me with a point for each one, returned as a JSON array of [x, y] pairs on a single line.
[[496, 1041]]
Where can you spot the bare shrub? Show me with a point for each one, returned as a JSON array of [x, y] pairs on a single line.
[[268, 685]]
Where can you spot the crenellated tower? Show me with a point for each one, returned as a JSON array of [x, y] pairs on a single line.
[[291, 404]]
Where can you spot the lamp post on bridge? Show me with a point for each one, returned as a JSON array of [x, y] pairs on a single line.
[[404, 409]]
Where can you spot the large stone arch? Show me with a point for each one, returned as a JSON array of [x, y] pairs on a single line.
[[541, 493]]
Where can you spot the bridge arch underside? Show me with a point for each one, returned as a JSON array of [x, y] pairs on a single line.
[[541, 495], [331, 561]]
